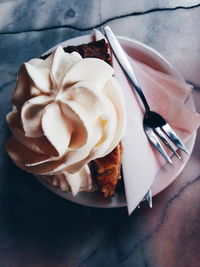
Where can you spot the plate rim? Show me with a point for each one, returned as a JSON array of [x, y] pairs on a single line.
[[158, 56]]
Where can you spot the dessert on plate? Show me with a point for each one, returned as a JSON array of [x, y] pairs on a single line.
[[68, 119]]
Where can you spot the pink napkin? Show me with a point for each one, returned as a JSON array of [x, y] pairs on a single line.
[[165, 95]]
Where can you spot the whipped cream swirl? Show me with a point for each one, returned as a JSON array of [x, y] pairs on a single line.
[[69, 111]]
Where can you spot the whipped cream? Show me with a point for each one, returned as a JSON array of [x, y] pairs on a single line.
[[69, 111]]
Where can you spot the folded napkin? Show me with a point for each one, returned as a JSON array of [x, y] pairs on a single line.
[[165, 95]]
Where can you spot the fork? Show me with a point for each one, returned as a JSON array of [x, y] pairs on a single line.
[[155, 126]]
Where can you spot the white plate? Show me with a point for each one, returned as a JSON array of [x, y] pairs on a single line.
[[169, 173]]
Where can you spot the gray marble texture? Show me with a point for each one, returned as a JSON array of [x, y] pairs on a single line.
[[38, 228]]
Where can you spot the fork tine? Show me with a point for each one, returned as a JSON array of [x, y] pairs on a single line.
[[154, 139], [172, 135], [148, 198], [159, 132]]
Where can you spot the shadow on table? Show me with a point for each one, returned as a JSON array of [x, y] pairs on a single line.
[[41, 224], [39, 228]]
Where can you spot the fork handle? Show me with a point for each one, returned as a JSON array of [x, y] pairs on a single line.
[[138, 89], [125, 64]]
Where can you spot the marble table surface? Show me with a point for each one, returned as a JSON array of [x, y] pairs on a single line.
[[38, 228]]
